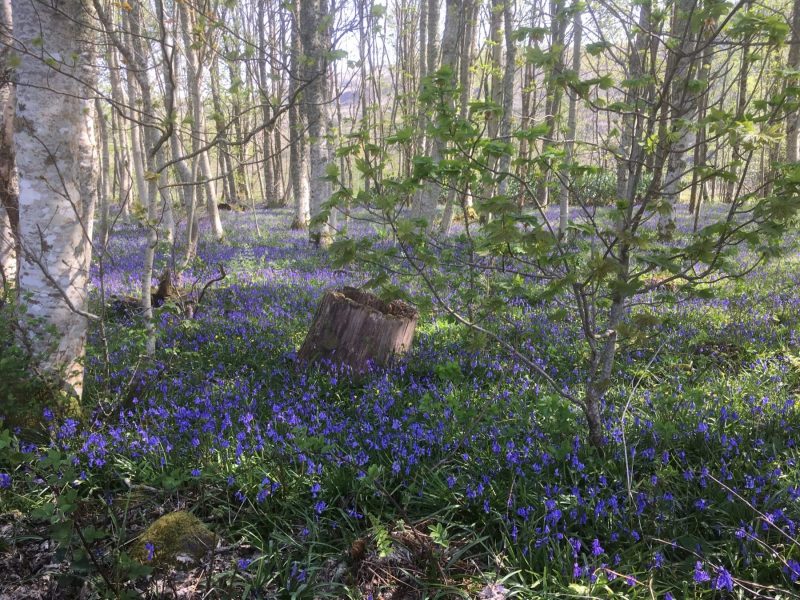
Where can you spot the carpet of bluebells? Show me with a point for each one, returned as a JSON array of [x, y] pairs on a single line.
[[696, 494]]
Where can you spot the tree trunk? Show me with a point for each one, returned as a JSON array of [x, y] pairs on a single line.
[[298, 150], [142, 189], [469, 16], [55, 142], [315, 36], [189, 192], [120, 136], [270, 195], [793, 118], [194, 74], [9, 189], [683, 109], [356, 329], [231, 196], [569, 146], [554, 92], [106, 171], [428, 201], [507, 93], [628, 146]]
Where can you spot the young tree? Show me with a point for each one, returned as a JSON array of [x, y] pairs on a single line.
[[613, 258]]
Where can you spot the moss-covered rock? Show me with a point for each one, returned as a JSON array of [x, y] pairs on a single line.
[[172, 539]]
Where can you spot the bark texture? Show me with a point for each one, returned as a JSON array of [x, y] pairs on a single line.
[[684, 112], [793, 118], [428, 200], [298, 150], [314, 16], [9, 191], [355, 328], [57, 165], [572, 124]]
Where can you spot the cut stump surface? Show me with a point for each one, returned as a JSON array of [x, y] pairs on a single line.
[[352, 327]]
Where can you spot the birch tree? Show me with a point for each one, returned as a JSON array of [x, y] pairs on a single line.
[[57, 162], [431, 191], [9, 215], [793, 118], [572, 121], [314, 24], [194, 75]]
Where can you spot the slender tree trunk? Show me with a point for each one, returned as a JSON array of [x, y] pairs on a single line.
[[119, 136], [701, 147], [106, 171], [741, 105], [793, 118], [298, 151], [507, 92], [554, 92], [422, 68], [572, 123], [468, 41], [229, 178], [315, 36], [55, 145], [137, 148], [684, 111], [189, 191], [194, 79], [429, 196], [625, 163], [264, 103], [528, 109], [243, 177]]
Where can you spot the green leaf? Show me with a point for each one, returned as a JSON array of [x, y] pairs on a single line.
[[596, 48], [332, 171], [336, 54], [401, 136]]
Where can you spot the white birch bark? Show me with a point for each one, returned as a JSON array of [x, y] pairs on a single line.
[[137, 148], [119, 132], [572, 122], [469, 16], [57, 162], [793, 118], [194, 74], [231, 195], [270, 189], [9, 190], [316, 42], [554, 92], [430, 193]]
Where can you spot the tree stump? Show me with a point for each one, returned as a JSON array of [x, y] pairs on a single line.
[[353, 328]]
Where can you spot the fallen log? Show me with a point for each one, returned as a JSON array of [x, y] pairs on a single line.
[[355, 328]]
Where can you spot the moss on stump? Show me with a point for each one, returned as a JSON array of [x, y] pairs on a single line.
[[172, 539]]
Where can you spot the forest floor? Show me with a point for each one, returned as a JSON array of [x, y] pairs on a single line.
[[452, 474]]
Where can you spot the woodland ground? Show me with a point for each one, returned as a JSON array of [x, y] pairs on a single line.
[[452, 474]]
